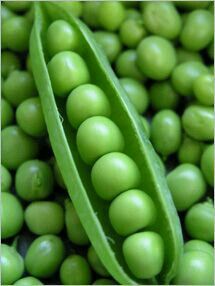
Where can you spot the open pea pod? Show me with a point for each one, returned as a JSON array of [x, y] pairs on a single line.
[[92, 210]]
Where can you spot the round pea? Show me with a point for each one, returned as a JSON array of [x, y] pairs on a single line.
[[166, 132], [207, 164], [98, 136], [75, 271], [90, 13], [7, 113], [199, 221], [73, 7], [198, 245], [51, 211], [184, 55], [185, 74], [12, 215], [21, 6], [137, 93], [146, 126], [44, 256], [67, 70], [75, 231], [103, 281], [187, 186], [104, 172], [61, 36], [190, 151], [203, 88], [96, 263], [195, 119], [144, 254], [163, 19], [156, 57], [9, 63], [5, 14], [17, 147], [86, 101], [6, 179], [27, 281], [131, 211], [12, 265], [201, 21], [34, 180]]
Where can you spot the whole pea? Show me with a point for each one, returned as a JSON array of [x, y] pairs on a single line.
[[73, 7], [6, 179], [90, 13], [27, 281], [198, 245], [207, 164], [203, 88], [190, 151], [96, 263], [7, 113]]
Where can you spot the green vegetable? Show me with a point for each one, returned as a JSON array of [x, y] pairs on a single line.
[[27, 281], [198, 245], [103, 281], [190, 151], [18, 7], [6, 179], [7, 113], [203, 88], [95, 262], [184, 55], [9, 63], [90, 13], [207, 164]]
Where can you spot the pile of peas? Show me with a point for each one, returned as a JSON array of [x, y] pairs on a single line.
[[166, 69]]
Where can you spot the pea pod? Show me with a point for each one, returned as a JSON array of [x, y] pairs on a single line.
[[92, 210]]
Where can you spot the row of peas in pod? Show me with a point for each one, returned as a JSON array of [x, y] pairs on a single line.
[[100, 143]]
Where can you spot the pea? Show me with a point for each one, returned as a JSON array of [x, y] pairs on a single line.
[[12, 266], [6, 179], [104, 172], [126, 65], [162, 19], [184, 55], [12, 216], [131, 211], [6, 14], [44, 256], [190, 151], [98, 136], [132, 13], [109, 43], [58, 176], [187, 186], [67, 70], [137, 93], [144, 254], [194, 120], [61, 36], [207, 164], [27, 281], [203, 88], [166, 132], [185, 74], [86, 101], [201, 21], [9, 63], [21, 6], [15, 33], [198, 245], [196, 268], [19, 86], [95, 262], [37, 211], [199, 221], [7, 113], [191, 5], [90, 13], [163, 96], [73, 7], [103, 281], [156, 57], [110, 15], [75, 230], [75, 271], [13, 140], [146, 126]]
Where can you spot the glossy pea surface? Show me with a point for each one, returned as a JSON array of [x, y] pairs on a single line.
[[7, 113], [27, 281], [190, 151], [203, 88], [207, 164], [198, 245], [6, 179]]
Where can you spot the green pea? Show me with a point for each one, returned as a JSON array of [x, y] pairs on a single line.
[[103, 281], [17, 147], [144, 254], [199, 221], [184, 55], [195, 119], [12, 266], [67, 70], [109, 43], [191, 5], [12, 216], [187, 186], [7, 113], [185, 74], [132, 14], [75, 271], [131, 211], [156, 57], [162, 19], [73, 7], [137, 93], [98, 136], [95, 262], [166, 132], [21, 6], [75, 231], [196, 268], [9, 63], [104, 172], [110, 15], [61, 36], [6, 179], [197, 31], [86, 101], [146, 126], [190, 151], [58, 176], [126, 65], [37, 211], [198, 245], [203, 88], [34, 180], [44, 256], [90, 13], [15, 33], [6, 14], [207, 164], [163, 96], [19, 86], [27, 281]]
